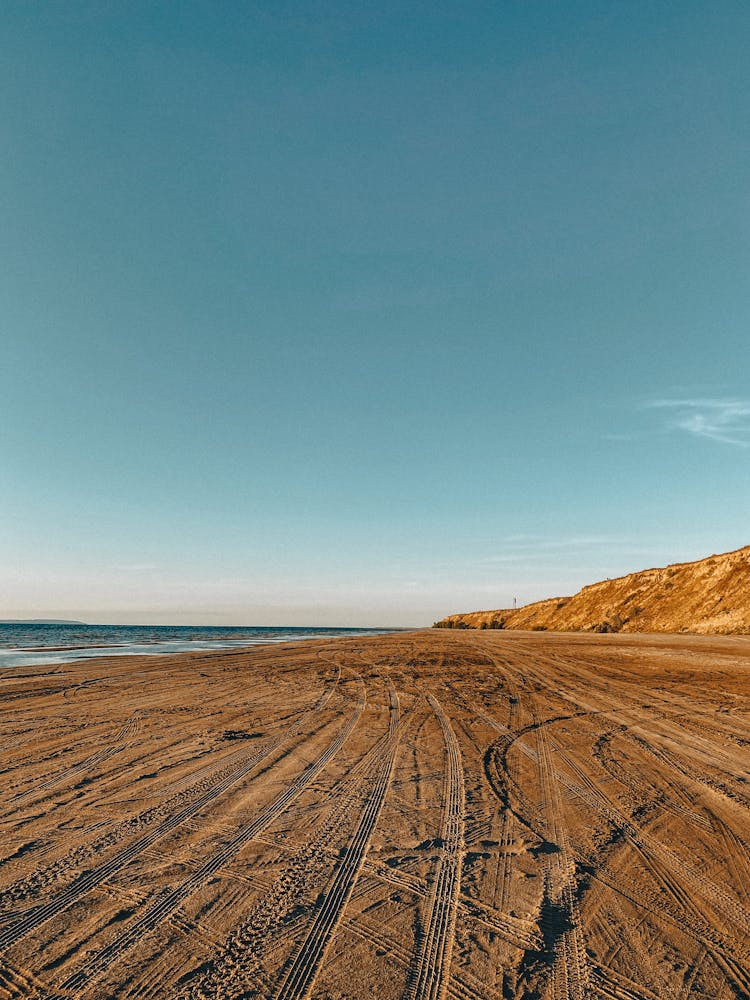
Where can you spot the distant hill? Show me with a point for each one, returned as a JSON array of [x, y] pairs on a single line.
[[38, 621], [710, 596]]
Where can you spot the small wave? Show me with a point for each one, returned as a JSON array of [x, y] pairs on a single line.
[[33, 656]]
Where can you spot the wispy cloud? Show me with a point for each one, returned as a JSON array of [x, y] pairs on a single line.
[[523, 548], [619, 437], [724, 420], [557, 541], [134, 567]]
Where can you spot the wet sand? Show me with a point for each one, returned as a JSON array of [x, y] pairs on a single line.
[[438, 814]]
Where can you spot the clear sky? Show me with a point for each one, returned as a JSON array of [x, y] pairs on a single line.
[[364, 313]]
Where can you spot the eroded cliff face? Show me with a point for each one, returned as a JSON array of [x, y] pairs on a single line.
[[710, 596]]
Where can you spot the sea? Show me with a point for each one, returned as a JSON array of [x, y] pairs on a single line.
[[31, 643]]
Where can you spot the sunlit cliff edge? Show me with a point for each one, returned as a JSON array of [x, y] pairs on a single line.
[[710, 596]]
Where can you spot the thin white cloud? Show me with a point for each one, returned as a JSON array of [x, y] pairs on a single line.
[[723, 420], [619, 438], [134, 567], [524, 548]]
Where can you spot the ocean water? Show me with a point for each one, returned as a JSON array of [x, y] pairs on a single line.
[[29, 643]]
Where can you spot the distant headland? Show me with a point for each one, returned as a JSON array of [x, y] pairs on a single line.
[[39, 621]]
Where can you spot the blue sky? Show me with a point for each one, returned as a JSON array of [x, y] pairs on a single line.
[[333, 313]]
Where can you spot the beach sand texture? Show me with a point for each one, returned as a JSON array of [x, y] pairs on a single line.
[[427, 815]]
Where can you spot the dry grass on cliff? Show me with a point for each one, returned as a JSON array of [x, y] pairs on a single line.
[[710, 596]]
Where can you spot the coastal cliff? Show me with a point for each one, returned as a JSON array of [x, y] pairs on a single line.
[[710, 596]]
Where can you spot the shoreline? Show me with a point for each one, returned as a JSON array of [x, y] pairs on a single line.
[[11, 656], [80, 654]]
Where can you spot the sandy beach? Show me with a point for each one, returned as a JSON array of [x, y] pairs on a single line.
[[437, 814]]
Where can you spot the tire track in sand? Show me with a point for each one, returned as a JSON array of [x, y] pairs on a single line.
[[118, 743], [430, 973], [168, 902], [560, 918], [676, 880], [39, 915], [300, 977], [272, 928]]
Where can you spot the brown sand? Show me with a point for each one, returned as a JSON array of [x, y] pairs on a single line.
[[440, 814]]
